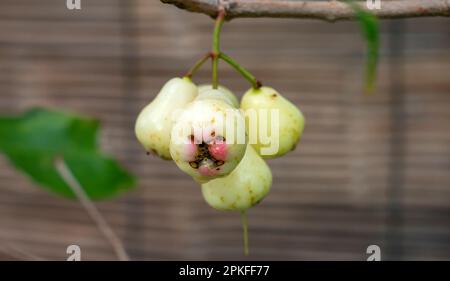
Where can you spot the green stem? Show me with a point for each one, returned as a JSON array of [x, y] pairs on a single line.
[[245, 231], [197, 65], [215, 72], [247, 75], [216, 48]]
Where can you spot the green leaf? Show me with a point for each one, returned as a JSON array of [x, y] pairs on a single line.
[[35, 139], [370, 29]]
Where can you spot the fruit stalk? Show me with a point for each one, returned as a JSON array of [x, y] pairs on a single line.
[[197, 65], [216, 47], [245, 73]]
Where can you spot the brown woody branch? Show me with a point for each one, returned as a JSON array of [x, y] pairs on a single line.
[[331, 10]]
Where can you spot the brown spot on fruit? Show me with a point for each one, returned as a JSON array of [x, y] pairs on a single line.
[[193, 164]]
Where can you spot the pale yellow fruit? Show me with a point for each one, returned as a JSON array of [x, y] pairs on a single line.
[[286, 131], [245, 187], [154, 123], [208, 139]]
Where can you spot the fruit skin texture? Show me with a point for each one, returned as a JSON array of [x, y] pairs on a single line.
[[154, 124], [200, 144], [291, 120], [223, 93], [245, 187]]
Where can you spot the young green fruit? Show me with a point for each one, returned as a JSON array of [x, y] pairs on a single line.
[[273, 123], [208, 139], [245, 187], [154, 123]]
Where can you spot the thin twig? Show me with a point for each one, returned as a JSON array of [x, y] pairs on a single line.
[[325, 10], [90, 208]]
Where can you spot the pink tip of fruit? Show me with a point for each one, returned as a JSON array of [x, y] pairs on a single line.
[[206, 170], [189, 151], [218, 151]]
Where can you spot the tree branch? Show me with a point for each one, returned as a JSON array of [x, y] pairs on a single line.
[[90, 208], [326, 10]]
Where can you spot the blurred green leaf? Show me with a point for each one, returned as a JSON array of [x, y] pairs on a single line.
[[370, 29], [35, 139]]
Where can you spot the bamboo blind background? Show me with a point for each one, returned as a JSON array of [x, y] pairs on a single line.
[[369, 170]]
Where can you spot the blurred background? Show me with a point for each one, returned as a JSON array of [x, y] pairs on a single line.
[[369, 169]]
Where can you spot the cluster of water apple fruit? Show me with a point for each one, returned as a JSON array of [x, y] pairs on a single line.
[[181, 124], [218, 141]]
